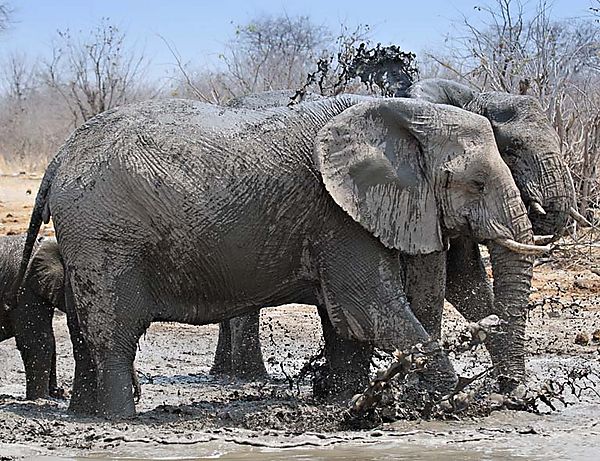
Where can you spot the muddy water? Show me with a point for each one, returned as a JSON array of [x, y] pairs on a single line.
[[572, 434]]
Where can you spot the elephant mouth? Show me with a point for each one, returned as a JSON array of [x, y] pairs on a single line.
[[486, 231], [548, 221]]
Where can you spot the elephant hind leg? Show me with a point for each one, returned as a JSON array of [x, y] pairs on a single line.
[[84, 392], [222, 361], [114, 312], [246, 354]]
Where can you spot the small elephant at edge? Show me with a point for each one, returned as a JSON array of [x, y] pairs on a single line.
[[42, 293]]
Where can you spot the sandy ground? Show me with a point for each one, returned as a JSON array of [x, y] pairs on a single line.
[[186, 413]]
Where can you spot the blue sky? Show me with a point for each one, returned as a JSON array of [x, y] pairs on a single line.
[[199, 29]]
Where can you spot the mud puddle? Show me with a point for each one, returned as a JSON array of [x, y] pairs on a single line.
[[187, 414]]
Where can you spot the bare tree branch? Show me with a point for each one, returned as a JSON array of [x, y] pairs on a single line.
[[95, 73], [5, 16]]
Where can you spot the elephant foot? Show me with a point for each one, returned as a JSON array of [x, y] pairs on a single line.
[[438, 378]]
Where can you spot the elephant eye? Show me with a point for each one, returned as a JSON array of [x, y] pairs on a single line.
[[478, 186]]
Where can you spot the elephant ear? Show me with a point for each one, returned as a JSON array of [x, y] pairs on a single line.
[[374, 168]]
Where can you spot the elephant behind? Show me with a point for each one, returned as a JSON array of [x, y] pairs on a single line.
[[530, 147], [192, 213], [527, 143], [42, 292]]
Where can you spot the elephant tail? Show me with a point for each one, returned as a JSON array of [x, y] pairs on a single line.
[[39, 215]]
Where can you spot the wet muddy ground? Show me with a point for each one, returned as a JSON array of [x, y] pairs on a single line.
[[186, 413]]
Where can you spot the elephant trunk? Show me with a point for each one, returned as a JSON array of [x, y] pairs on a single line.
[[512, 283], [550, 201]]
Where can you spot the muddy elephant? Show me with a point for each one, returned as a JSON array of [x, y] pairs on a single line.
[[181, 211], [530, 147], [42, 292]]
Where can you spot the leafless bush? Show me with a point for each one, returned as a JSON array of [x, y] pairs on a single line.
[[267, 53], [94, 73], [30, 123], [89, 74]]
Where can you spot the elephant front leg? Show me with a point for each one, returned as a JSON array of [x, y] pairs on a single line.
[[425, 281], [347, 364], [468, 288]]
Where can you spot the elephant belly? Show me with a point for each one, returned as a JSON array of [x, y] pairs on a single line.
[[232, 278]]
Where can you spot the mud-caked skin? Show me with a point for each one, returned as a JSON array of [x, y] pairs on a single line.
[[181, 211], [239, 354], [530, 147], [41, 293]]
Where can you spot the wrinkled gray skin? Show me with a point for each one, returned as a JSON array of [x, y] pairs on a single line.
[[530, 147], [238, 352], [42, 292], [180, 211]]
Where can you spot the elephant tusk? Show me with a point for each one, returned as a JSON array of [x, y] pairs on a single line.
[[579, 218], [537, 208], [524, 248], [542, 239]]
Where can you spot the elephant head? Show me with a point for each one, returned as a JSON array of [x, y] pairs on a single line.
[[527, 142], [415, 173]]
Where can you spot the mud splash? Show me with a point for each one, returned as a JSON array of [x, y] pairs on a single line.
[[186, 413]]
